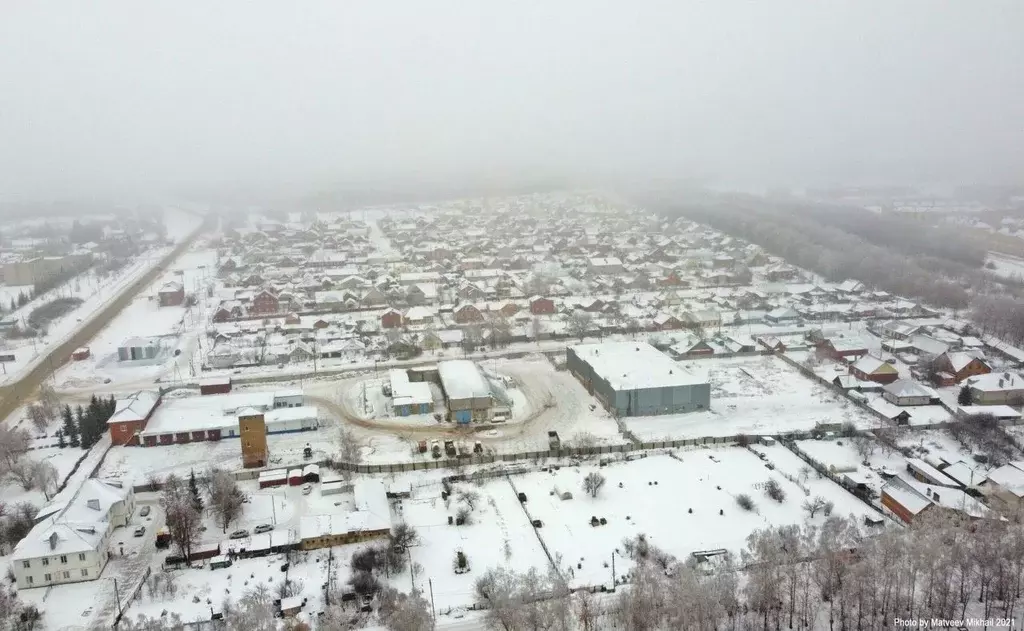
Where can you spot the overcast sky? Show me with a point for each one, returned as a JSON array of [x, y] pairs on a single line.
[[113, 97]]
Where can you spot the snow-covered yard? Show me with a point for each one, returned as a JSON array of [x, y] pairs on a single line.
[[177, 327], [654, 496], [754, 395], [499, 535], [137, 464]]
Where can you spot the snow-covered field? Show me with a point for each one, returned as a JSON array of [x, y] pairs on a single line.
[[9, 293], [655, 498], [178, 328], [499, 535], [1005, 266], [754, 395], [95, 293]]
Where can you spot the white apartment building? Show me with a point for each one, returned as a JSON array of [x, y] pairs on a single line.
[[70, 539]]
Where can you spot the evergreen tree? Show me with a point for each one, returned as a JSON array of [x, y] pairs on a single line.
[[964, 398], [69, 428], [61, 443], [83, 428], [22, 299], [14, 304], [193, 491]]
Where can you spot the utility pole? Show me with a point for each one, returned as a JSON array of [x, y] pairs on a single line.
[[117, 597], [412, 570], [613, 571], [433, 612], [327, 584]]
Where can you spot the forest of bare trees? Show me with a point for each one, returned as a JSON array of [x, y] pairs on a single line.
[[894, 254], [833, 574]]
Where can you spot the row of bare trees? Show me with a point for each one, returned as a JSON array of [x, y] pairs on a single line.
[[831, 574], [184, 506], [1002, 316]]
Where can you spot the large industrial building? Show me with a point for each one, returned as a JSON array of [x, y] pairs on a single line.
[[636, 379]]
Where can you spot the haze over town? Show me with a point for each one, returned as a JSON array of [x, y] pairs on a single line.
[[113, 97], [529, 316]]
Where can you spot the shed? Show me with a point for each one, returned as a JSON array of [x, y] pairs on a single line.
[[219, 562], [276, 477], [80, 354], [927, 473], [215, 385], [292, 605], [295, 477], [333, 488], [136, 348], [311, 473]]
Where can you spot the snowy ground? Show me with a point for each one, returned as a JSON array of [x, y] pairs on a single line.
[[178, 327], [754, 395], [138, 464], [499, 535], [936, 443], [841, 455], [11, 292], [655, 497], [95, 292], [1005, 266]]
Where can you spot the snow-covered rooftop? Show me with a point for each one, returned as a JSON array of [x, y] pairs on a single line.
[[135, 407], [462, 379], [372, 512], [405, 392], [78, 524], [909, 388], [635, 366], [996, 382]]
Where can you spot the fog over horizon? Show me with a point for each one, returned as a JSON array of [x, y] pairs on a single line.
[[113, 97]]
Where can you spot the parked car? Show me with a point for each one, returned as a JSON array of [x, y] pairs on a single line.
[[239, 534], [140, 530], [144, 512], [307, 488], [262, 528]]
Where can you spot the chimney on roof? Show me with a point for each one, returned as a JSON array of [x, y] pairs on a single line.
[[53, 540], [93, 504]]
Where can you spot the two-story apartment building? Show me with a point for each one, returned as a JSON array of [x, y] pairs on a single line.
[[70, 540]]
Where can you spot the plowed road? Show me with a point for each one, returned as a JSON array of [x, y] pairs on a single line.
[[14, 394]]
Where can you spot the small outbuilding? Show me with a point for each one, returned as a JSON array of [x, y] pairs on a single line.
[[215, 385]]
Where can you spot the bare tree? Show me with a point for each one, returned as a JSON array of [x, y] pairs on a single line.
[[773, 490], [469, 497], [14, 444], [254, 611], [404, 612], [536, 328], [593, 482], [46, 478], [579, 323], [349, 449], [583, 440], [37, 416], [813, 506], [864, 445], [226, 499], [587, 610], [183, 520]]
